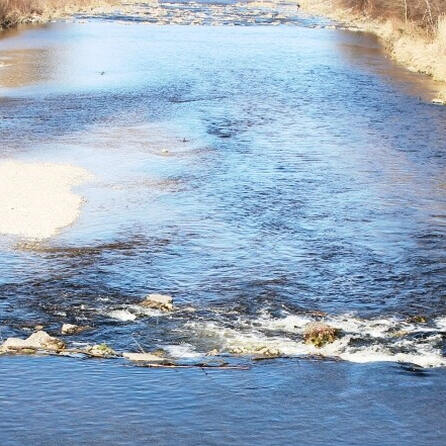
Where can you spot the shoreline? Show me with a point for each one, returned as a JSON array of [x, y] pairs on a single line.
[[406, 44]]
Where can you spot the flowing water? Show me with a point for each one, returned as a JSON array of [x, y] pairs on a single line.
[[264, 176]]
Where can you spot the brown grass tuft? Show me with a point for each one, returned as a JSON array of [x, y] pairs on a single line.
[[423, 13], [412, 31]]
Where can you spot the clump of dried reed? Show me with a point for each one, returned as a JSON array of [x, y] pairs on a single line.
[[14, 12], [412, 31]]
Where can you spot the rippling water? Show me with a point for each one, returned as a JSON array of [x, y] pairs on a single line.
[[285, 402], [262, 175]]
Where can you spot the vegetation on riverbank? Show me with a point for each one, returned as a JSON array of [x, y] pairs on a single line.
[[15, 12], [412, 31]]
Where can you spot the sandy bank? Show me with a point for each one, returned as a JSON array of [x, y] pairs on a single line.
[[36, 199], [406, 43]]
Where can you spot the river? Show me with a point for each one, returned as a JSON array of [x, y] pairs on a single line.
[[264, 176]]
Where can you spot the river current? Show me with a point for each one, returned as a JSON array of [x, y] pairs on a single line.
[[264, 176]]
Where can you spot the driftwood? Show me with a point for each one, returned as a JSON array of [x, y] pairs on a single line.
[[194, 366]]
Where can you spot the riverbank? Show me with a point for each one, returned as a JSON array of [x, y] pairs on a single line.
[[16, 12], [419, 48]]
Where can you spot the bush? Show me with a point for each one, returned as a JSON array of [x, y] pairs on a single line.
[[424, 13]]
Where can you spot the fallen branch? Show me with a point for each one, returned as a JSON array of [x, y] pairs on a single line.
[[199, 366]]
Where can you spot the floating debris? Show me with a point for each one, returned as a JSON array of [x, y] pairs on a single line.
[[200, 366]]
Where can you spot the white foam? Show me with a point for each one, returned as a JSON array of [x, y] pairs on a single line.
[[132, 312], [145, 311], [182, 351], [122, 315], [362, 340], [441, 323]]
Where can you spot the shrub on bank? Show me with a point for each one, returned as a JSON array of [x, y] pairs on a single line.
[[424, 13], [412, 31], [14, 12]]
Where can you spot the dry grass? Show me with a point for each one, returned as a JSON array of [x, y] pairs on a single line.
[[14, 12], [422, 13], [412, 31]]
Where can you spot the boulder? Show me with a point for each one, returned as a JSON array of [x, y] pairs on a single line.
[[257, 351], [161, 302], [319, 334], [100, 351], [37, 341], [70, 329], [267, 353]]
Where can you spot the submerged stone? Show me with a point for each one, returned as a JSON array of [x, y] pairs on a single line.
[[258, 352], [37, 341], [162, 302], [319, 334], [147, 357]]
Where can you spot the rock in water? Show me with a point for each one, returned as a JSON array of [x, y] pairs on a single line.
[[320, 334], [69, 329], [418, 319], [100, 351], [37, 341], [148, 357], [161, 302]]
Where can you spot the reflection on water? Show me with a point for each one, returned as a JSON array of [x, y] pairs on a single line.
[[24, 67]]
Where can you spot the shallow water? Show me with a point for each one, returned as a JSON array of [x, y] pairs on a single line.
[[257, 174]]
